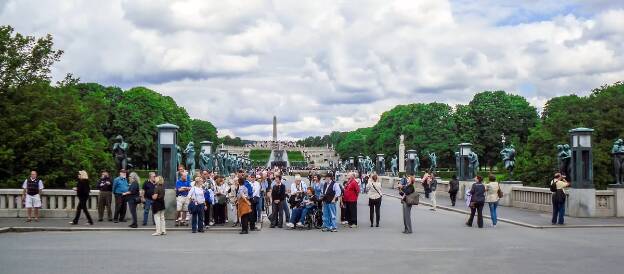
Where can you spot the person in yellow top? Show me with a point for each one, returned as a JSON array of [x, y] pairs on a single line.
[[557, 186], [491, 198]]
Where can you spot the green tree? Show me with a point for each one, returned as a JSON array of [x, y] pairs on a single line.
[[25, 60]]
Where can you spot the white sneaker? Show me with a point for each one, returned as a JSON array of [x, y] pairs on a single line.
[[290, 225], [157, 234], [211, 223], [299, 224]]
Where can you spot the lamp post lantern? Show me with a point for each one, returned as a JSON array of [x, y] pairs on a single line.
[[411, 158], [167, 152]]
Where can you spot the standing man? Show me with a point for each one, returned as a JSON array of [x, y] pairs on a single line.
[[105, 186], [182, 189], [331, 193], [31, 195], [120, 186], [256, 201], [278, 195], [148, 190]]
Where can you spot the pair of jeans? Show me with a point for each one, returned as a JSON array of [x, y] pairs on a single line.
[[147, 206], [278, 214], [286, 209], [493, 206], [120, 207], [374, 206], [558, 213], [259, 207], [295, 215], [82, 206], [478, 208], [253, 216], [219, 213], [453, 196], [132, 205], [197, 218], [245, 222], [306, 210], [329, 215], [407, 217], [352, 213], [159, 218], [104, 202]]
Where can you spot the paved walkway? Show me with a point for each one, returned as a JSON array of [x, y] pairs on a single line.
[[520, 216]]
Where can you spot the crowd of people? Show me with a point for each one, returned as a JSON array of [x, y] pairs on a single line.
[[206, 199]]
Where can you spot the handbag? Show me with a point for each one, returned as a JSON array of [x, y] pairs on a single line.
[[413, 198], [244, 207], [221, 199], [500, 193]]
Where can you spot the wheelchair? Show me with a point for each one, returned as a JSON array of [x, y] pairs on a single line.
[[314, 219]]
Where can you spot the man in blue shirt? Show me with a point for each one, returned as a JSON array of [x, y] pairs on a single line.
[[183, 185], [120, 186]]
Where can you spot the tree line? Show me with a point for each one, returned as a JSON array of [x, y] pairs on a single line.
[[438, 127], [60, 128]]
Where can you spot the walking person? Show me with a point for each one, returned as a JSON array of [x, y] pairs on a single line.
[[105, 186], [350, 198], [243, 205], [82, 191], [492, 197], [196, 205], [278, 195], [133, 198], [158, 206], [330, 196], [373, 188], [453, 189], [148, 190], [31, 195], [120, 186], [557, 186], [433, 186], [477, 201], [404, 191]]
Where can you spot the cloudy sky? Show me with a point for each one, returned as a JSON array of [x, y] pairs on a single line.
[[329, 65]]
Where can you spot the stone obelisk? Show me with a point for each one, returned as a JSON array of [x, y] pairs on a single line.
[[274, 132], [401, 154]]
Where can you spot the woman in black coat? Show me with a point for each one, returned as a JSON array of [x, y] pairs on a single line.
[[477, 201], [82, 191]]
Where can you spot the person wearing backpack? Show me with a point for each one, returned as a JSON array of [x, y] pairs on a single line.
[[433, 186], [492, 196], [557, 186], [373, 188]]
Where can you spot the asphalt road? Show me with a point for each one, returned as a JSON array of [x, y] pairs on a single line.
[[440, 244]]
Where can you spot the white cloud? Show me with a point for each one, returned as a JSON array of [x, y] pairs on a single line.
[[329, 65]]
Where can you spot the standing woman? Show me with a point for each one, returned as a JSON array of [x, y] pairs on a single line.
[[82, 191], [453, 189], [220, 201], [373, 188], [105, 186], [404, 191], [133, 198], [243, 206], [196, 205], [158, 206], [492, 198], [352, 190], [477, 201]]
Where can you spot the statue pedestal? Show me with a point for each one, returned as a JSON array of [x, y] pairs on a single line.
[[507, 187], [401, 157], [619, 199], [581, 202]]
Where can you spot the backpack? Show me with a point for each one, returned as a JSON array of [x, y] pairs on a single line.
[[553, 186]]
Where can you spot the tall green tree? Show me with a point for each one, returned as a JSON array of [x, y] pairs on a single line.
[[25, 60]]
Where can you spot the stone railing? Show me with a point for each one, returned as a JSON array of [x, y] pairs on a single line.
[[534, 198], [58, 203]]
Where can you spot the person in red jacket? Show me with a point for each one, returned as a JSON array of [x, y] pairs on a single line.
[[352, 190]]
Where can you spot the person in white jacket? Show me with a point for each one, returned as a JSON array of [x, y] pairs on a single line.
[[373, 188]]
